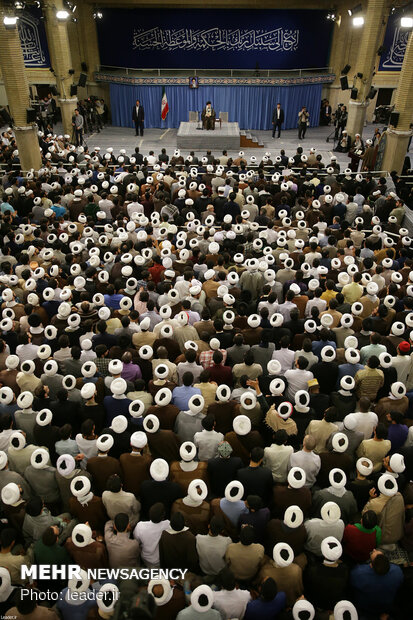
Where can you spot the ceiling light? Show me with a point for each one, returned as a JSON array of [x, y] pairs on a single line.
[[406, 22], [97, 14], [10, 22], [62, 15], [358, 21]]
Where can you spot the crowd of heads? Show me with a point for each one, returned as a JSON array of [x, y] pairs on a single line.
[[205, 363]]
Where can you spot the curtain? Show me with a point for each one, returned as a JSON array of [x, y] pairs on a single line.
[[250, 106]]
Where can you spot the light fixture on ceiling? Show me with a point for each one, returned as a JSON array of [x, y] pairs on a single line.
[[62, 15]]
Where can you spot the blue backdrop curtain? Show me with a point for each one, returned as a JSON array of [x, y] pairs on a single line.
[[250, 106]]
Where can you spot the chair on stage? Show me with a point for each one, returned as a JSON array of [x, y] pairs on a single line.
[[222, 118]]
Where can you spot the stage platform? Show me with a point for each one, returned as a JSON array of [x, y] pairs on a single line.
[[193, 139]]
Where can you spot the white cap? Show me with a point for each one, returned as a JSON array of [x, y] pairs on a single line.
[[88, 390], [82, 535], [248, 400], [80, 486], [241, 425], [187, 451], [397, 463], [345, 610], [337, 478], [293, 516], [282, 554], [296, 477], [138, 439], [196, 403], [364, 466], [119, 424], [3, 459], [223, 393], [202, 593], [105, 442], [118, 386], [39, 458], [17, 441], [159, 470], [65, 464], [303, 610], [151, 423], [387, 485], [331, 549], [330, 512], [234, 491], [284, 410], [107, 597], [339, 442], [398, 389], [25, 400], [44, 417], [10, 494]]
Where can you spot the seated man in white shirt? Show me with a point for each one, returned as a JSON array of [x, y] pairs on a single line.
[[231, 600], [298, 378], [366, 420], [284, 355], [148, 533], [277, 456], [208, 439]]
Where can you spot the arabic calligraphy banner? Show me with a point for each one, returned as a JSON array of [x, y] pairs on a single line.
[[395, 42], [33, 39], [214, 39]]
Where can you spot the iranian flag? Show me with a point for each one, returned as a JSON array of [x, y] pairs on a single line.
[[164, 105]]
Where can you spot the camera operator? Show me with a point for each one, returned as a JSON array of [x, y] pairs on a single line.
[[93, 117], [341, 116]]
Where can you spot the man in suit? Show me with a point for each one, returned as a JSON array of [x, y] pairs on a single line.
[[327, 112], [277, 120], [138, 118]]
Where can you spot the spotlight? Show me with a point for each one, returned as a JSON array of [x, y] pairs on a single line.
[[372, 93], [357, 9], [331, 16], [10, 22], [358, 21], [97, 14], [406, 22], [18, 5], [62, 15]]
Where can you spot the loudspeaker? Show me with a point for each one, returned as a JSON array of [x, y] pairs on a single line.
[[82, 80], [6, 117], [381, 50], [344, 82], [83, 66], [394, 119], [372, 93], [71, 71], [354, 93], [359, 75], [30, 115], [53, 90], [345, 70], [73, 90]]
